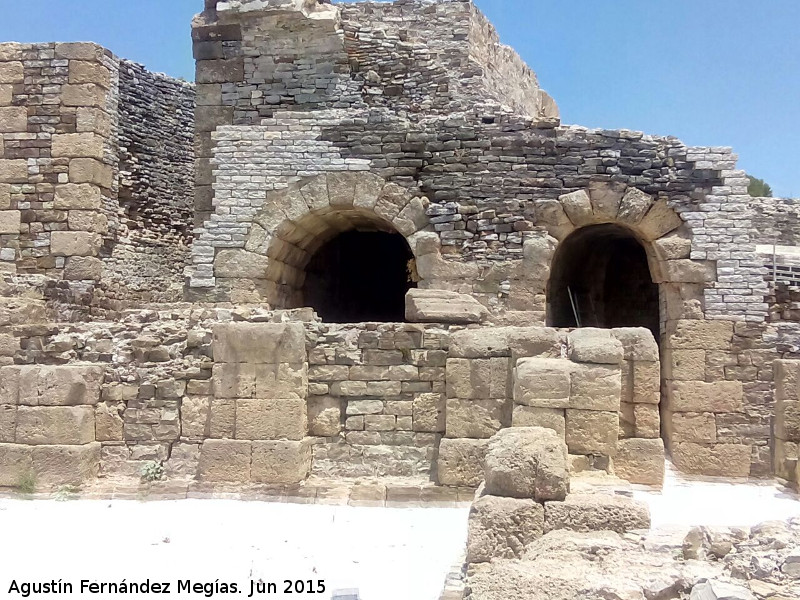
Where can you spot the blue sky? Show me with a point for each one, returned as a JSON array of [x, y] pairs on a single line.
[[711, 72]]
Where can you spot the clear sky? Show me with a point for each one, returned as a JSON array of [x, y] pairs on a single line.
[[711, 72]]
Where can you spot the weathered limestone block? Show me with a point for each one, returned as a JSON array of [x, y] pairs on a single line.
[[592, 432], [549, 418], [87, 220], [259, 343], [700, 335], [551, 214], [9, 222], [429, 413], [283, 419], [90, 171], [74, 243], [578, 207], [13, 171], [225, 460], [502, 527], [247, 380], [699, 396], [65, 465], [80, 51], [195, 417], [55, 425], [646, 420], [13, 119], [12, 72], [638, 343], [646, 382], [485, 342], [77, 145], [69, 385], [634, 206], [324, 416], [16, 463], [659, 221], [542, 382], [222, 419], [640, 461], [93, 120], [78, 196], [84, 94], [606, 198], [82, 71], [83, 268], [8, 423], [108, 423], [589, 345], [596, 512], [281, 462], [685, 365], [699, 428], [725, 460], [477, 378], [441, 306], [787, 399], [596, 387], [527, 462], [461, 462], [676, 245], [480, 418], [240, 264], [220, 71]]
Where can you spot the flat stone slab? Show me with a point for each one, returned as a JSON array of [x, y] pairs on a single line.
[[441, 306]]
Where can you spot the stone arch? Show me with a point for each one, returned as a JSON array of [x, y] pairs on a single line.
[[296, 222]]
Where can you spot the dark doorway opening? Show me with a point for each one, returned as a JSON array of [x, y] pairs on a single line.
[[360, 276], [601, 277]]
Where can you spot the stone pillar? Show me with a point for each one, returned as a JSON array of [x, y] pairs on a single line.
[[787, 419], [260, 385]]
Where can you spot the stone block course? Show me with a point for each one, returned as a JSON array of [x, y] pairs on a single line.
[[225, 460], [284, 462], [271, 419], [55, 425]]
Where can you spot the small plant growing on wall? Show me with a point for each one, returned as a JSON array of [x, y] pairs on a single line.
[[152, 471], [66, 492], [26, 484]]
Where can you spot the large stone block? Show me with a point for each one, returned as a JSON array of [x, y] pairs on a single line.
[[74, 243], [259, 343], [724, 460], [596, 512], [578, 207], [502, 527], [83, 268], [646, 382], [91, 171], [476, 418], [80, 51], [542, 382], [13, 119], [8, 423], [659, 221], [83, 94], [82, 72], [9, 222], [461, 462], [87, 220], [13, 171], [12, 72], [195, 417], [55, 425], [685, 365], [281, 462], [16, 464], [225, 460], [787, 421], [477, 378], [646, 420], [222, 419], [246, 380], [596, 387], [699, 428], [527, 462], [549, 418], [65, 465], [77, 145], [324, 416], [281, 419], [220, 71], [485, 342], [589, 345], [428, 411], [638, 343], [640, 461], [69, 385], [108, 423], [441, 306], [592, 432], [535, 342], [700, 335], [699, 396]]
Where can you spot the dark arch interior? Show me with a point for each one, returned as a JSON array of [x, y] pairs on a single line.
[[360, 276], [601, 277]]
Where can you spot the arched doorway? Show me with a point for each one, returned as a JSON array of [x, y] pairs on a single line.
[[360, 276], [600, 277]]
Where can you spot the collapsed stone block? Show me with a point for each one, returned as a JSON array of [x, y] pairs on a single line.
[[596, 512], [475, 418], [502, 527], [527, 462], [55, 425], [725, 460], [549, 418], [65, 465], [271, 419], [462, 462], [596, 387], [590, 345], [640, 461], [224, 460], [592, 432], [477, 378], [441, 306], [542, 382], [259, 343], [281, 462]]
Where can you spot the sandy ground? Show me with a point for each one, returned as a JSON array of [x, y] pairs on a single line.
[[387, 553]]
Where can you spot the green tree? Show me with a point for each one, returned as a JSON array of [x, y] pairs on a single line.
[[759, 188]]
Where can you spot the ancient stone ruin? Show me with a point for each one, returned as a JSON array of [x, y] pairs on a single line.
[[361, 245]]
